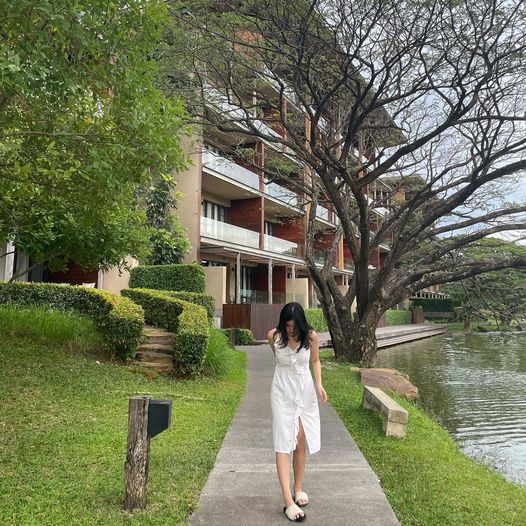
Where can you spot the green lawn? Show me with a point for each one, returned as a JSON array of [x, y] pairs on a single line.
[[427, 480], [63, 426]]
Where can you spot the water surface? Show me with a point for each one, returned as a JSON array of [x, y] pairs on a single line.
[[475, 385]]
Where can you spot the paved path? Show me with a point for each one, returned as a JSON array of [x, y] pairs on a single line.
[[243, 487]]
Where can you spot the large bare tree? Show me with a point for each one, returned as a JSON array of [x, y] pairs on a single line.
[[425, 99]]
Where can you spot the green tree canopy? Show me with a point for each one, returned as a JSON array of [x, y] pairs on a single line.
[[500, 294], [82, 126]]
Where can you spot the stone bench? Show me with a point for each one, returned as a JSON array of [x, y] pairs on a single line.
[[394, 415]]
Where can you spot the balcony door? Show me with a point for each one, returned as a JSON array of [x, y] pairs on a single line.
[[247, 285]]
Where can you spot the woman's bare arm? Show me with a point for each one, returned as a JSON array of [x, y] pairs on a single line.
[[316, 365], [270, 336]]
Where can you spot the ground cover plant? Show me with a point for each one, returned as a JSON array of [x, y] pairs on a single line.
[[63, 426], [426, 478]]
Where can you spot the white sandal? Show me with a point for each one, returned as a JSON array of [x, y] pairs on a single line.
[[294, 513], [301, 495]]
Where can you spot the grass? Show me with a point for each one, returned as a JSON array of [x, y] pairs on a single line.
[[426, 478], [63, 427]]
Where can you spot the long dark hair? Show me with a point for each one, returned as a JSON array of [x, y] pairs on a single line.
[[294, 311]]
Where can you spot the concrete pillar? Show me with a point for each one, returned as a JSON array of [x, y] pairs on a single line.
[[270, 282]]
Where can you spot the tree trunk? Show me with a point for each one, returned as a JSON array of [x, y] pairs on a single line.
[[467, 323], [354, 341], [363, 342], [340, 328]]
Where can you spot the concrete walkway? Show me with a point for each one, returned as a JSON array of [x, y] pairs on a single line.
[[243, 489]]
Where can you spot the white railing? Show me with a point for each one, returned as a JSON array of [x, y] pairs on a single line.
[[226, 232], [281, 193], [322, 213], [229, 168], [280, 246]]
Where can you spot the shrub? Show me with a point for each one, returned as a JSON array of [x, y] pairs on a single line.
[[218, 360], [189, 278], [398, 317], [434, 304], [239, 336], [205, 300], [243, 337], [316, 320], [187, 320], [119, 320]]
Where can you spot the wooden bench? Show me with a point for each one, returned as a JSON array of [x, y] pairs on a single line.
[[394, 415]]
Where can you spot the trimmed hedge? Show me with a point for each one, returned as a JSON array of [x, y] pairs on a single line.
[[434, 304], [189, 278], [398, 317], [239, 336], [187, 320], [205, 300], [119, 320], [316, 320]]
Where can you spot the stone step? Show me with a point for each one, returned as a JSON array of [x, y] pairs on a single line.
[[153, 332], [153, 357], [159, 367], [160, 341], [156, 347]]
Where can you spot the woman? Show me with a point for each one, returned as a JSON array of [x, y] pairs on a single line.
[[295, 414]]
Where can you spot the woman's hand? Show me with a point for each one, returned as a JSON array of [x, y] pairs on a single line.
[[321, 393]]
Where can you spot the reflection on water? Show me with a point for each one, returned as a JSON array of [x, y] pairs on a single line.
[[476, 387]]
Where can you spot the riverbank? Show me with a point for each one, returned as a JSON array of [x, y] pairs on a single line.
[[396, 334], [426, 478], [63, 428]]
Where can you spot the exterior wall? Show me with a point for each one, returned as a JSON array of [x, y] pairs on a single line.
[[292, 229], [189, 205], [114, 280], [6, 262], [301, 288], [247, 213], [216, 286]]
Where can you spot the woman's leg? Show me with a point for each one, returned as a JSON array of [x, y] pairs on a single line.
[[283, 466], [299, 460]]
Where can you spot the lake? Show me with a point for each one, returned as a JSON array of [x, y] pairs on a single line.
[[475, 386]]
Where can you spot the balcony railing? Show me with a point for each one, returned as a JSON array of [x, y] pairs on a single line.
[[280, 246], [229, 168], [226, 232], [322, 213], [282, 193], [262, 296]]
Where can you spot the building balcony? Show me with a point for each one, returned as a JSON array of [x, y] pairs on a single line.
[[322, 213], [224, 166], [282, 193], [262, 296], [231, 233], [327, 215], [281, 246], [247, 238]]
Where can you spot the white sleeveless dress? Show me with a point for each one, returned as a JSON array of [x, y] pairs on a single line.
[[293, 396]]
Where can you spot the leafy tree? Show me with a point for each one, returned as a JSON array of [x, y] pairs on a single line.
[[500, 294], [372, 93], [81, 127], [168, 239]]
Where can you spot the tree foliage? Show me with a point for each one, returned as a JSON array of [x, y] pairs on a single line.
[[424, 99], [168, 240], [81, 127], [500, 294]]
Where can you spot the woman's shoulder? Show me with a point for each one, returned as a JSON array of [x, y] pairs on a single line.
[[313, 335], [272, 334]]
